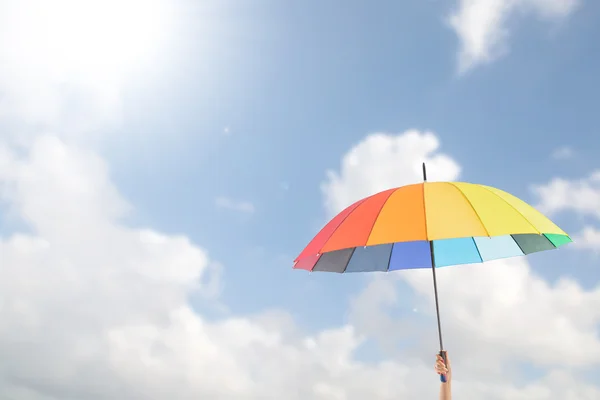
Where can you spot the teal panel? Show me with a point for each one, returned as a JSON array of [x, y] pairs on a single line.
[[558, 240]]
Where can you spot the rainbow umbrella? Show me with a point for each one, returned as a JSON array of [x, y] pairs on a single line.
[[429, 225]]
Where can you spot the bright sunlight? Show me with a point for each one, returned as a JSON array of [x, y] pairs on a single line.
[[93, 39]]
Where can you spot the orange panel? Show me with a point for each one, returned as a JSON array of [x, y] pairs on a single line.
[[402, 218], [449, 214], [355, 229]]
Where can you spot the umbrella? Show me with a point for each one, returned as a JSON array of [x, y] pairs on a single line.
[[429, 225]]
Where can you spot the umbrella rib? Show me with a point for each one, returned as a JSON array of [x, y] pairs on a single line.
[[378, 214], [361, 202], [514, 208], [551, 242], [387, 268], [392, 191], [472, 208], [477, 248], [348, 262], [518, 245], [425, 213]]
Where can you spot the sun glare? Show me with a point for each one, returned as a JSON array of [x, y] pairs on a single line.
[[94, 38]]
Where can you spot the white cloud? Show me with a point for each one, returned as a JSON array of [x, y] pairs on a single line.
[[94, 309], [91, 308], [581, 195], [383, 161], [482, 25], [588, 238], [509, 314], [499, 311], [234, 205], [563, 153]]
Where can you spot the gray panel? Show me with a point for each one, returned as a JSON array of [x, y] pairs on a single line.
[[334, 261], [370, 258], [532, 243], [307, 263]]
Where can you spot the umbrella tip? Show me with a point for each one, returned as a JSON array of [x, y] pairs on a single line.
[[424, 173]]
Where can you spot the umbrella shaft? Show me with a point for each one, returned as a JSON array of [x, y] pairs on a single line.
[[437, 306]]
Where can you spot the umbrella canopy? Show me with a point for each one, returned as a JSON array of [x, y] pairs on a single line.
[[430, 223]]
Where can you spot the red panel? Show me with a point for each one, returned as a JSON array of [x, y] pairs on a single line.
[[315, 245], [307, 263], [355, 230]]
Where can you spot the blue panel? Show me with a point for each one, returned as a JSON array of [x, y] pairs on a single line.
[[370, 258], [455, 252], [410, 255], [497, 247]]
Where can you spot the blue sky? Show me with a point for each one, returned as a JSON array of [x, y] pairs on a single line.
[[253, 104], [299, 85]]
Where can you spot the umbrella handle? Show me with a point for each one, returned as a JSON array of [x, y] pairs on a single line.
[[443, 378]]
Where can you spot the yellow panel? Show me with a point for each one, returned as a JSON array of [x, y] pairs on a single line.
[[402, 218], [536, 218], [449, 214], [498, 216]]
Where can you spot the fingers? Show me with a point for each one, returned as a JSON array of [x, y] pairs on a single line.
[[441, 371], [446, 358], [440, 366]]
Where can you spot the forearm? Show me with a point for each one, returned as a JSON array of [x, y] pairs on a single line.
[[445, 391]]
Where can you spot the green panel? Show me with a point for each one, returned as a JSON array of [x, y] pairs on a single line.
[[532, 243], [558, 240]]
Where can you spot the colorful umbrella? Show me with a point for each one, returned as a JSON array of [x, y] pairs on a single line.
[[429, 225]]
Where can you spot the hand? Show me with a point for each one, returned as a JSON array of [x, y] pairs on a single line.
[[442, 368]]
